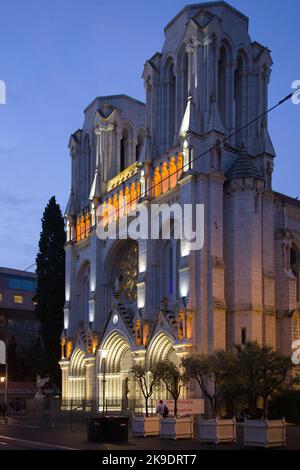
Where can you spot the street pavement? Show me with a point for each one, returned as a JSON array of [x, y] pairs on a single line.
[[24, 437]]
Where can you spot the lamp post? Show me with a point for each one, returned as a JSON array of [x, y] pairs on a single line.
[[104, 353], [2, 381], [3, 360]]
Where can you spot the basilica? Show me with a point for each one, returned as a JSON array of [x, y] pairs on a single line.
[[142, 301]]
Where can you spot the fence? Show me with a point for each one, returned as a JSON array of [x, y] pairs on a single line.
[[71, 414], [110, 406]]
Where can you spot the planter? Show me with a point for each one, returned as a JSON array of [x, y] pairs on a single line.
[[176, 428], [143, 426], [217, 430], [265, 433]]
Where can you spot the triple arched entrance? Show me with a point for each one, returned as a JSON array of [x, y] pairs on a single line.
[[116, 389]]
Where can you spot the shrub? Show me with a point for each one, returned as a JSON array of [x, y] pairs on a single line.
[[286, 404]]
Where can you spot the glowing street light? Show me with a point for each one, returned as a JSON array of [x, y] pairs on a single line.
[[104, 353], [2, 381]]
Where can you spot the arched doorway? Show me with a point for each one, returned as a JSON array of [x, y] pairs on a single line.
[[161, 348], [77, 379], [115, 385]]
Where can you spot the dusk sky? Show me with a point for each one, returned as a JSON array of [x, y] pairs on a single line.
[[56, 56]]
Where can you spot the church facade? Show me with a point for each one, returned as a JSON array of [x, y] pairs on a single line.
[[136, 301]]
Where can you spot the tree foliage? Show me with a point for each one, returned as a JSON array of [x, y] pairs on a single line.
[[236, 380], [50, 269], [147, 379], [262, 371], [216, 378], [173, 378]]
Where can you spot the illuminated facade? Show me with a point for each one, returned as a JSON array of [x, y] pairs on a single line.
[[148, 300]]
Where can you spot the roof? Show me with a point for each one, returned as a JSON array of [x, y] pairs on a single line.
[[109, 97], [22, 385], [244, 167], [17, 272], [287, 199], [190, 7]]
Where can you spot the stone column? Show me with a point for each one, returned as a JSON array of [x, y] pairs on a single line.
[[65, 367], [190, 51], [90, 365]]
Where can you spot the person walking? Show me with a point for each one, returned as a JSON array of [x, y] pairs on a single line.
[[162, 409]]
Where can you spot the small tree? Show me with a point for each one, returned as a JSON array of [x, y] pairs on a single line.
[[199, 368], [147, 380], [262, 372], [173, 378], [50, 293], [216, 377]]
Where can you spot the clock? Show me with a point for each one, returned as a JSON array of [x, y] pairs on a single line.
[[115, 318]]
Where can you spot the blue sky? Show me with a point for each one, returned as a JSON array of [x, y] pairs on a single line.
[[56, 56]]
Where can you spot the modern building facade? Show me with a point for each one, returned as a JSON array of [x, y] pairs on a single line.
[[131, 301], [19, 329]]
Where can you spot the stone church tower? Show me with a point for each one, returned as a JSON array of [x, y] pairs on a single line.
[[134, 301], [208, 82]]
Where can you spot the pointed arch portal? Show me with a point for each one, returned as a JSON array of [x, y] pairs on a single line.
[[115, 383], [77, 378]]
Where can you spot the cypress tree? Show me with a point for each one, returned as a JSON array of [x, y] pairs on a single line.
[[50, 295]]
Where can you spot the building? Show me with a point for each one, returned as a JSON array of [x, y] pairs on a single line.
[[148, 300], [19, 328]]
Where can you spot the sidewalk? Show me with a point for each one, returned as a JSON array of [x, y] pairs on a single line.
[[78, 440]]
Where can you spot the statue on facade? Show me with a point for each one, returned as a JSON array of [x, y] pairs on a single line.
[[40, 383]]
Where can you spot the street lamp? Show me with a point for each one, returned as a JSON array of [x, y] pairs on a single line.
[[2, 381], [104, 353], [3, 360]]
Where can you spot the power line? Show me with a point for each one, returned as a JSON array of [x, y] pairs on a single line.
[[216, 145], [29, 267]]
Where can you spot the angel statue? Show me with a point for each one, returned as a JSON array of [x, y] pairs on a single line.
[[40, 384]]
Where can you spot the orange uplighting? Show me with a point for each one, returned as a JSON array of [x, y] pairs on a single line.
[[126, 200], [145, 333], [69, 349], [157, 182], [121, 204], [138, 333], [173, 173], [116, 207], [189, 325], [180, 323], [165, 178]]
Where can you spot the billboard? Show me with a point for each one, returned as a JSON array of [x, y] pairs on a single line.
[[189, 406]]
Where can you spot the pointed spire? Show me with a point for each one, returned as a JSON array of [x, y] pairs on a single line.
[[267, 146], [96, 186], [71, 208], [188, 124], [244, 167], [214, 119]]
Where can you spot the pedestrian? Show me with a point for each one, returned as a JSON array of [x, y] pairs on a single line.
[[162, 409], [4, 409]]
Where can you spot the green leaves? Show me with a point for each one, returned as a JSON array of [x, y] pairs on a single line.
[[50, 295], [147, 379], [235, 380], [262, 371]]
